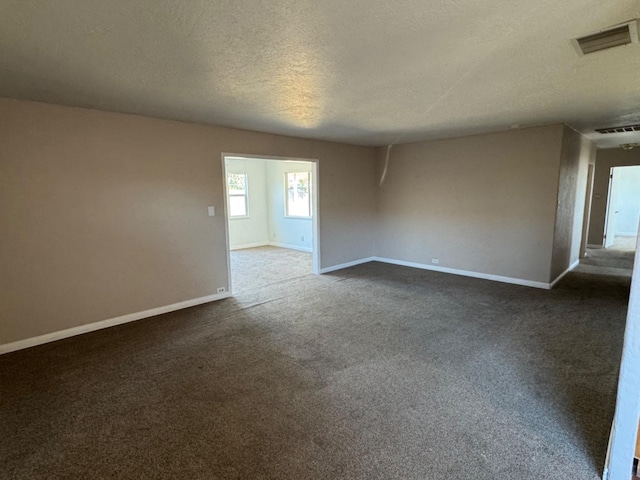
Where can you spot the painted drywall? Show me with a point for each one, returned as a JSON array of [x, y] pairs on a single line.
[[481, 203], [586, 213], [625, 422], [283, 230], [628, 203], [605, 159], [572, 183], [105, 214], [254, 229], [267, 222], [587, 155]]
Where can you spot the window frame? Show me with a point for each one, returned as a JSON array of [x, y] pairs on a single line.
[[245, 195], [309, 195]]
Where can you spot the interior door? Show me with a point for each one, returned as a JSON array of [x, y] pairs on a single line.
[[612, 210]]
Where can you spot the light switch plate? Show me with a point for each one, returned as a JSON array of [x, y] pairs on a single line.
[[212, 211]]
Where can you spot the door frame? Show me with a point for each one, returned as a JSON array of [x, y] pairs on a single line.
[[586, 216], [315, 204], [608, 238]]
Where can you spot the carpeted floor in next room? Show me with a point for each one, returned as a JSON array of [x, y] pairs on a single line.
[[373, 372], [255, 268]]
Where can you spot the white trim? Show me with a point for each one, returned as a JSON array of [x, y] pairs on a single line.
[[466, 273], [245, 195], [225, 199], [347, 265], [291, 247], [131, 317], [625, 420], [91, 327], [454, 271], [626, 234], [315, 226], [249, 245], [559, 277], [593, 245], [285, 191], [315, 179]]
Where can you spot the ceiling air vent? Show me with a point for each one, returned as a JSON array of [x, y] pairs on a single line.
[[623, 129], [611, 37]]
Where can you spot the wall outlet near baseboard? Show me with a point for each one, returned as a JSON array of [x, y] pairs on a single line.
[[302, 238], [435, 261], [221, 290]]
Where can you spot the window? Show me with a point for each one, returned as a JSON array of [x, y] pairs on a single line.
[[237, 190], [298, 196]]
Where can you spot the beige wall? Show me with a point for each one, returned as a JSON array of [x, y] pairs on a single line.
[[105, 214], [254, 228], [483, 203], [605, 159], [572, 184]]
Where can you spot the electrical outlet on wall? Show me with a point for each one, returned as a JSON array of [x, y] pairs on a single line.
[[221, 290], [435, 261], [302, 238]]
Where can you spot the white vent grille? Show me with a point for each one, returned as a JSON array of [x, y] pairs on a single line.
[[621, 129], [617, 36]]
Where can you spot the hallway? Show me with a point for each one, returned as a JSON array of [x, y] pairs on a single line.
[[615, 261]]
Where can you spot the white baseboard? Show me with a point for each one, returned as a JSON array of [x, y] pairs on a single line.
[[271, 244], [466, 273], [131, 317], [292, 247], [593, 245], [346, 265], [90, 327], [559, 277], [249, 245], [454, 271]]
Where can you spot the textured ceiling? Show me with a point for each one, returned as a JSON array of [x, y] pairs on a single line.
[[369, 72]]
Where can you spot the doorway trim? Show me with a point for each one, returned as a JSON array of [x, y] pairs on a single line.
[[608, 236], [315, 205]]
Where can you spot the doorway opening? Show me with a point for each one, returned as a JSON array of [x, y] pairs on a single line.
[[623, 209], [621, 226], [271, 206]]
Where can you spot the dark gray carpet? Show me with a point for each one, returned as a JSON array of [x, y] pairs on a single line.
[[374, 372]]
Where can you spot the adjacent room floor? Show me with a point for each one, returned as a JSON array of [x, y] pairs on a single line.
[[372, 372], [616, 260], [254, 268]]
